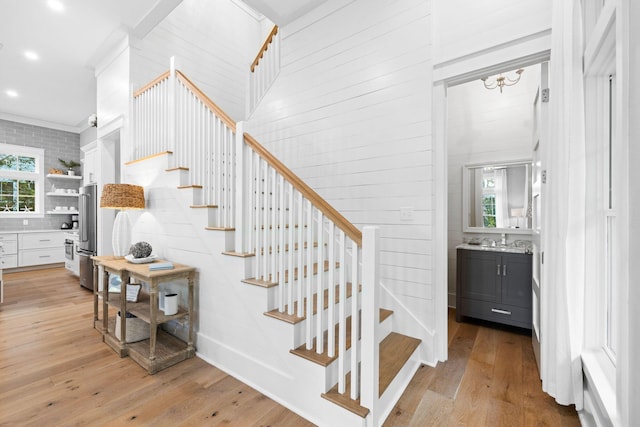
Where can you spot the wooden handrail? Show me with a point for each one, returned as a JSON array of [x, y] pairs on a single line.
[[264, 47], [152, 83], [208, 102], [329, 211]]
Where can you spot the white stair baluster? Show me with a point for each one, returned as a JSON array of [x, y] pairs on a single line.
[[300, 238], [309, 278], [291, 254], [342, 316], [320, 321], [265, 221], [331, 295], [274, 229], [281, 243], [355, 323], [259, 218]]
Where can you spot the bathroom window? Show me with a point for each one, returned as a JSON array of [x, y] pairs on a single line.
[[488, 199], [21, 181], [489, 210]]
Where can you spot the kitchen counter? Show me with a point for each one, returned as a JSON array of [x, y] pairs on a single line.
[[33, 231], [28, 248]]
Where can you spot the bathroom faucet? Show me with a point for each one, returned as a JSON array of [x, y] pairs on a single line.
[[503, 240]]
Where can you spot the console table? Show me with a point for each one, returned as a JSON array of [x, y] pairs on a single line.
[[161, 349]]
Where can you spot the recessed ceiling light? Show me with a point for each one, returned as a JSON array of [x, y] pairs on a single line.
[[31, 55], [55, 5], [12, 93]]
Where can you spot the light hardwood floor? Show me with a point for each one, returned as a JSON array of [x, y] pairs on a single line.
[[55, 370]]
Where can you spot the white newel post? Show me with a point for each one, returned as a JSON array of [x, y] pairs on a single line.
[[172, 111], [242, 205], [370, 320]]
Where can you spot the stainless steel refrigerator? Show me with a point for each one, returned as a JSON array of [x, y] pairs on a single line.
[[88, 234]]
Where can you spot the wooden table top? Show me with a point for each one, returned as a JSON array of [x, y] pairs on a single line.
[[142, 270]]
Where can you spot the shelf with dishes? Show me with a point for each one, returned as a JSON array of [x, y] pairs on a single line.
[[63, 212], [61, 194], [63, 177]]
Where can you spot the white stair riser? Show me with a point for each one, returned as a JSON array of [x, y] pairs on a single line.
[[180, 177], [150, 172], [299, 329], [206, 217], [191, 196]]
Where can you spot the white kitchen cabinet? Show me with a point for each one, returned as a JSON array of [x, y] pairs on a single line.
[[8, 250], [38, 248]]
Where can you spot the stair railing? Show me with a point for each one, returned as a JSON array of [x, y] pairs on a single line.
[[294, 231], [173, 114], [264, 69], [299, 241]]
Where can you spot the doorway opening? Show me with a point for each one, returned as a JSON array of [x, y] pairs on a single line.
[[453, 99]]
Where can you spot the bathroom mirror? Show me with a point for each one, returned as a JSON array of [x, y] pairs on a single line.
[[497, 198]]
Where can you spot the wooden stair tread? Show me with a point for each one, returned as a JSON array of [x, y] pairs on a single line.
[[141, 159], [239, 254], [182, 187], [253, 280], [323, 358], [258, 282], [271, 227], [286, 248], [293, 318], [177, 168], [384, 314], [220, 228], [395, 350], [344, 400], [204, 206]]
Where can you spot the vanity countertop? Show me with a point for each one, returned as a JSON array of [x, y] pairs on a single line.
[[498, 248]]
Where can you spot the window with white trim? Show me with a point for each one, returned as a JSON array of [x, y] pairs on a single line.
[[21, 181]]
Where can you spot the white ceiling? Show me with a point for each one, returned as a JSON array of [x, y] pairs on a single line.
[[58, 90], [282, 12]]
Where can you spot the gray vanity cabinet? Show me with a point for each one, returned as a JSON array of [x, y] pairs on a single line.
[[494, 286]]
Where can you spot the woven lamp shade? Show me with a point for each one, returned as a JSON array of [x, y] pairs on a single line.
[[122, 196]]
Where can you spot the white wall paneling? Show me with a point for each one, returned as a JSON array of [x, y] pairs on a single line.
[[214, 43], [350, 114], [486, 24]]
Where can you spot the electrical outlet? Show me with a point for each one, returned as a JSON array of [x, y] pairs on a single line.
[[406, 214], [25, 222]]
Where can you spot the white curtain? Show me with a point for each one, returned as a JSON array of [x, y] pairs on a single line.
[[502, 198], [526, 206], [562, 293]]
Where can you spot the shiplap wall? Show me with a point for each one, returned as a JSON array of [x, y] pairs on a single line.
[[214, 43], [484, 126], [350, 114], [463, 27], [112, 85]]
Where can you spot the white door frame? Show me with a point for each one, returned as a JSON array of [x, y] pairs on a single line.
[[463, 70]]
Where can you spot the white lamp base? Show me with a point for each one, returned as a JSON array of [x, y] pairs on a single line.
[[121, 236]]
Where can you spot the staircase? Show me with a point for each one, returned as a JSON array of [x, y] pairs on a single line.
[[288, 300]]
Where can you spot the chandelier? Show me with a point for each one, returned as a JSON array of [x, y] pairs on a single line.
[[502, 81]]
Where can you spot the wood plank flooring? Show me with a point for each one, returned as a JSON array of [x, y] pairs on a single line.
[[55, 370], [490, 379]]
